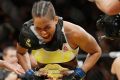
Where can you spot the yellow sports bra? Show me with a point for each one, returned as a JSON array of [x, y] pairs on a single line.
[[58, 56]]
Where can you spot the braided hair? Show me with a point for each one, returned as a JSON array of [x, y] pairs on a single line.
[[42, 9]]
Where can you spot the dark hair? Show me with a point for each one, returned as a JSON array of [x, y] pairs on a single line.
[[110, 25], [43, 8]]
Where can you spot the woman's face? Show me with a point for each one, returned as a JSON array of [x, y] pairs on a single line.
[[45, 27], [11, 56]]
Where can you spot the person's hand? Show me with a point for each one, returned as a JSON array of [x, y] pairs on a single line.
[[29, 75], [15, 68], [78, 74]]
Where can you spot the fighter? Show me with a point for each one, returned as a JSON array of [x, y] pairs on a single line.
[[58, 41]]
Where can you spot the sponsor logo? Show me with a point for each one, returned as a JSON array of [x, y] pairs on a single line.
[[28, 42]]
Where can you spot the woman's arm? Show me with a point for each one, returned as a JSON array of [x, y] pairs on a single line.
[[79, 37], [23, 58]]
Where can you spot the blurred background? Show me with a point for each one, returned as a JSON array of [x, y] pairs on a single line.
[[13, 13]]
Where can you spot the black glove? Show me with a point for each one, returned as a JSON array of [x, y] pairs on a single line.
[[29, 75], [78, 74]]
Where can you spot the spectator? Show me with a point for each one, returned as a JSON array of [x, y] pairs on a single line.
[[10, 56]]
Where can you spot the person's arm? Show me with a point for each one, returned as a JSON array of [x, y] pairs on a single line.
[[87, 43], [24, 61], [110, 7], [23, 58], [33, 61], [115, 69]]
